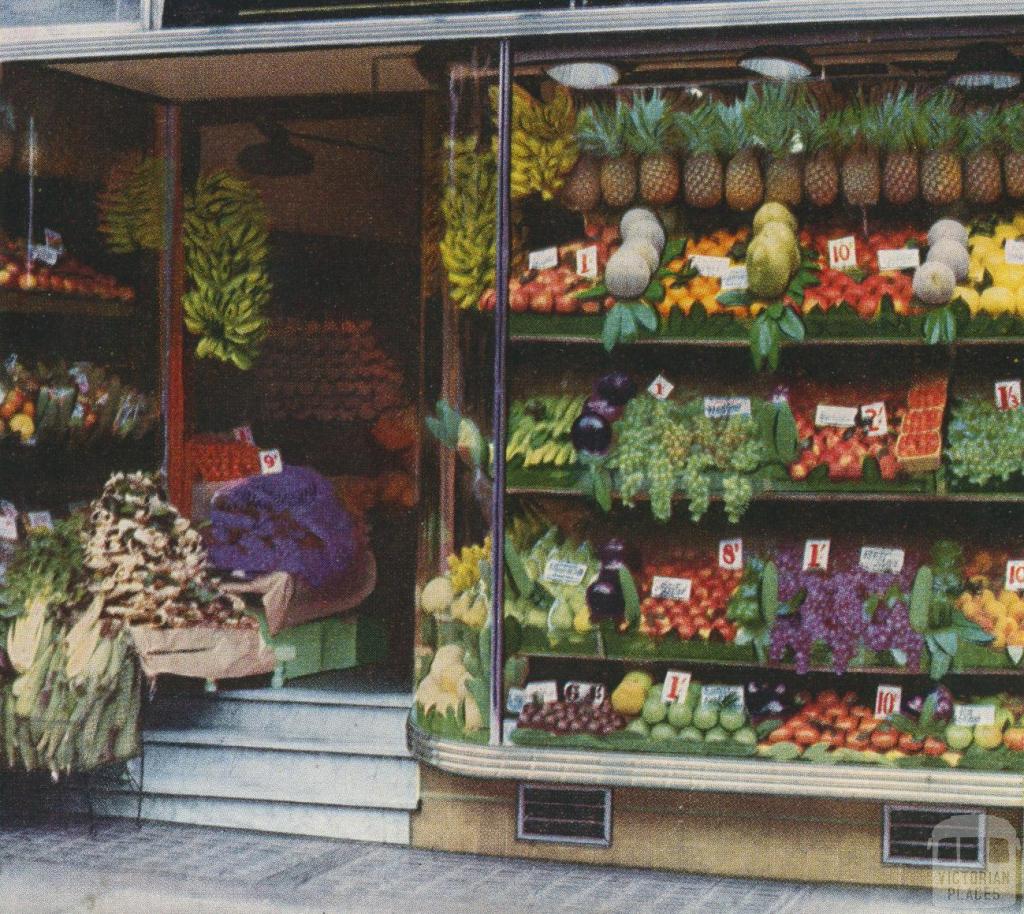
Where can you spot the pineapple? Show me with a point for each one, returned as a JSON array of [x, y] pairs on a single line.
[[861, 176], [941, 181], [899, 125], [744, 187], [652, 136], [581, 192], [821, 136], [772, 119], [983, 180], [601, 131], [1012, 129], [703, 173]]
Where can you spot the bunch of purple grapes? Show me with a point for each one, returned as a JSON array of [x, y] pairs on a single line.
[[833, 611]]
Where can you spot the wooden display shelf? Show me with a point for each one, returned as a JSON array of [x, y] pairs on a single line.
[[13, 301], [738, 343]]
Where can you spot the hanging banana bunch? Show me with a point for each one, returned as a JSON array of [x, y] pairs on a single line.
[[131, 206]]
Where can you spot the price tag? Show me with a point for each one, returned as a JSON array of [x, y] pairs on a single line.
[[887, 701], [816, 554], [881, 561], [720, 695], [734, 279], [874, 416], [707, 265], [842, 253], [1013, 252], [730, 555], [1014, 574], [1008, 394], [972, 715], [899, 259], [546, 691], [559, 572], [835, 416], [592, 692], [243, 433], [661, 387], [271, 462], [677, 684], [1015, 653], [544, 259], [38, 520], [586, 262], [45, 254], [723, 407], [671, 588], [8, 527]]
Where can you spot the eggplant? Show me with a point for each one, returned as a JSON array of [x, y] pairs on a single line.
[[606, 601], [943, 704], [591, 434], [617, 388], [599, 406]]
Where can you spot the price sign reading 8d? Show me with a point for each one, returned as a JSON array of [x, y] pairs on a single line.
[[816, 554], [593, 692], [730, 555], [1008, 394], [1015, 574], [271, 462], [887, 701]]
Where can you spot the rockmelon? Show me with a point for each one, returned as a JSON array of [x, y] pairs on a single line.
[[774, 212], [639, 215], [645, 249], [948, 228], [648, 231], [626, 275], [953, 254], [934, 283]]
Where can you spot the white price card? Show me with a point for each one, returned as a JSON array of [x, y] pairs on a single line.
[[661, 387], [706, 265], [1015, 653], [592, 692], [1008, 394], [44, 254], [8, 527], [887, 701], [544, 259], [38, 520], [243, 433], [816, 554], [545, 691], [721, 694], [1014, 250], [730, 554], [881, 561], [559, 572], [1015, 574], [677, 684], [734, 279], [835, 416], [723, 407], [586, 262], [874, 416], [270, 461], [972, 715], [899, 259], [671, 588], [842, 253]]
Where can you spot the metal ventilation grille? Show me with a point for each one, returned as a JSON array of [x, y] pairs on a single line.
[[934, 836], [565, 815]]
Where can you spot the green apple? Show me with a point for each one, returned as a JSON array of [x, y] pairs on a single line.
[[732, 719], [1004, 718], [716, 735], [654, 692], [705, 717], [654, 711], [987, 736], [692, 734], [638, 727], [662, 731], [745, 737], [958, 737], [680, 715]]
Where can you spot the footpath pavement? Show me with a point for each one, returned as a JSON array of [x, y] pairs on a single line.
[[118, 868]]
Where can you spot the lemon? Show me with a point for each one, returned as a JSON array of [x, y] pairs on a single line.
[[581, 621], [1009, 275], [1005, 230], [1019, 301], [982, 244], [996, 299], [993, 258], [971, 298], [1018, 222]]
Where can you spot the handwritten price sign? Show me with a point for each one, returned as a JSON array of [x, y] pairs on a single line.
[[842, 253], [1008, 394], [874, 417], [730, 555], [887, 701], [816, 554], [677, 684], [271, 462], [661, 387], [586, 262], [1015, 574]]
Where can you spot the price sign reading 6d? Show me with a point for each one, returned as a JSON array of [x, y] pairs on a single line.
[[816, 555]]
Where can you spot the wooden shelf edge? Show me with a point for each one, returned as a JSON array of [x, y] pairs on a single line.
[[16, 302]]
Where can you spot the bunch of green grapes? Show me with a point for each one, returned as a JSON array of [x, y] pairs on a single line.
[[749, 453], [737, 491], [630, 455], [985, 443]]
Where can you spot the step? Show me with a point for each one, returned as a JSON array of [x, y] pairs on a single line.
[[342, 720], [241, 739], [293, 773], [356, 824]]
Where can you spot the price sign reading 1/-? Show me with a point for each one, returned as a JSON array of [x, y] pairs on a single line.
[[842, 253], [887, 701], [816, 554], [1008, 394], [873, 414], [1015, 574], [661, 387], [730, 555], [677, 684], [586, 262], [270, 461], [593, 692]]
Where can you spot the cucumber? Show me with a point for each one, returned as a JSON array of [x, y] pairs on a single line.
[[785, 434], [784, 751], [768, 591], [921, 600]]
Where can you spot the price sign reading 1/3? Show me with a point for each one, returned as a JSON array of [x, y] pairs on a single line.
[[816, 554], [559, 572], [661, 387], [270, 461], [677, 684], [1015, 574], [593, 692], [586, 262], [873, 415], [1013, 252], [545, 259], [1008, 394], [972, 715], [671, 588], [730, 555], [887, 701], [842, 253]]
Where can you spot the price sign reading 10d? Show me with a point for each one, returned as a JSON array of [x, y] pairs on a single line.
[[842, 253], [816, 555], [887, 701], [1015, 574]]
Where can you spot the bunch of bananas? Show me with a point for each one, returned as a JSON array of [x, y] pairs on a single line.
[[225, 241], [539, 430], [464, 568], [131, 206], [543, 141], [468, 207]]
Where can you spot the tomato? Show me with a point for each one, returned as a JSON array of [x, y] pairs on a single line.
[[827, 699], [908, 744], [934, 747], [846, 724], [806, 736], [783, 734], [686, 629]]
